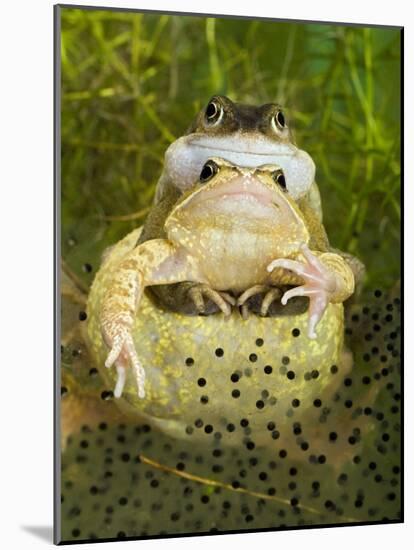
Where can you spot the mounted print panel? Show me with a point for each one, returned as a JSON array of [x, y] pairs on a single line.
[[228, 205]]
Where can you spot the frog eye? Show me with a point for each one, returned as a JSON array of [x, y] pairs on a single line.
[[209, 170], [279, 178], [213, 113], [279, 121]]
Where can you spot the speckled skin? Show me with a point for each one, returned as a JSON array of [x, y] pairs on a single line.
[[248, 136], [245, 135], [178, 350], [209, 242]]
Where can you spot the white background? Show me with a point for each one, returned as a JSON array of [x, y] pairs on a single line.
[[26, 207]]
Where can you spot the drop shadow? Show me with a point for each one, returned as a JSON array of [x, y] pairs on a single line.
[[44, 532]]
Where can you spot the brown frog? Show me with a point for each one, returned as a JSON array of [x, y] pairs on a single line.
[[236, 231], [247, 136]]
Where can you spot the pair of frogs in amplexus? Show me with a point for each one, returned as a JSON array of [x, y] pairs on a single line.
[[237, 215]]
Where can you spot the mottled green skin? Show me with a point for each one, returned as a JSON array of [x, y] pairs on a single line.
[[164, 340]]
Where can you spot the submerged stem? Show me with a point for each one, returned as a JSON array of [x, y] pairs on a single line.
[[228, 486]]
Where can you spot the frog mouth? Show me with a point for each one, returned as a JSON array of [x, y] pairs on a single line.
[[243, 197], [243, 146], [241, 187], [216, 151]]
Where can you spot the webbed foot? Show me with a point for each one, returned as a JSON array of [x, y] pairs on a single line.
[[319, 285]]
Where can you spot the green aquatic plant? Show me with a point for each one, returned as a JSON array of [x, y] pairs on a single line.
[[131, 83]]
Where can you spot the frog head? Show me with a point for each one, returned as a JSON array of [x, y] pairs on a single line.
[[252, 205], [245, 135]]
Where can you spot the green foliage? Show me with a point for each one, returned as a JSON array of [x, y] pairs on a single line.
[[131, 83]]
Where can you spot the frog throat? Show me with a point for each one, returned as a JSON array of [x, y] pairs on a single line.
[[186, 156]]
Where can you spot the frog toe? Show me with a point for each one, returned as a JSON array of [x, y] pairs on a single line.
[[270, 296], [222, 300], [228, 297], [196, 295], [121, 379], [137, 367], [123, 354], [318, 301], [115, 352], [252, 291]]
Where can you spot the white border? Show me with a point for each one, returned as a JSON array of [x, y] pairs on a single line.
[[26, 268]]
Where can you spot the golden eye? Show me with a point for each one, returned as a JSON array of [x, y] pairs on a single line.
[[208, 171], [279, 178], [214, 112], [279, 121]]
